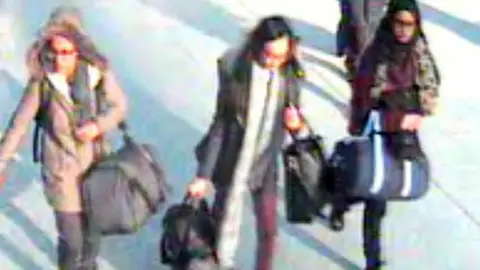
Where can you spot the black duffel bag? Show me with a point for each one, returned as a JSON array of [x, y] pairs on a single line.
[[374, 166], [189, 234], [124, 189], [305, 165]]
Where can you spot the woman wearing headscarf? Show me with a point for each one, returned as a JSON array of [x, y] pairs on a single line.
[[62, 59], [399, 77]]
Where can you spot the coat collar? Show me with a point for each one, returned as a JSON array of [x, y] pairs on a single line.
[[240, 69]]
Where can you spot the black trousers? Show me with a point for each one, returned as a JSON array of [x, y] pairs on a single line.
[[78, 246], [373, 214]]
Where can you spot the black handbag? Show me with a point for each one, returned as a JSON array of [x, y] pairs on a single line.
[[305, 166], [404, 145], [189, 233], [124, 189]]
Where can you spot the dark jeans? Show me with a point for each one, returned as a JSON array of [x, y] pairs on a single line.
[[373, 215], [265, 208], [78, 246]]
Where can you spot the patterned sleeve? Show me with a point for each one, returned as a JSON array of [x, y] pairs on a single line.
[[428, 79], [380, 80]]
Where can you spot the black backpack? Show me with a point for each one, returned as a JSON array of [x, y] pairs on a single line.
[[189, 232]]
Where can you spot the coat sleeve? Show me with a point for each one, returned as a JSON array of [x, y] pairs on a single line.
[[208, 150], [116, 104], [428, 79], [295, 101], [367, 89], [360, 102], [20, 121]]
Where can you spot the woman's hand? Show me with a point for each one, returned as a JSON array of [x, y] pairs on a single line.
[[3, 167], [200, 188], [411, 122], [293, 119], [87, 132]]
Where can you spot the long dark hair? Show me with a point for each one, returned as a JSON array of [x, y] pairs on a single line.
[[269, 29]]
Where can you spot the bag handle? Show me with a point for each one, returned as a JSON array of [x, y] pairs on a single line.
[[196, 203], [128, 139], [373, 127], [128, 171], [373, 124], [289, 104]]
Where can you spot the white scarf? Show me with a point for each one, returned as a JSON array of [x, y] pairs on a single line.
[[60, 83], [258, 134]]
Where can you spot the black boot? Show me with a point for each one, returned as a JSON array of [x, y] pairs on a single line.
[[375, 265], [336, 220], [340, 206]]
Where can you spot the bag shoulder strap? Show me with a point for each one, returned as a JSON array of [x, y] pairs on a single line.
[[40, 117]]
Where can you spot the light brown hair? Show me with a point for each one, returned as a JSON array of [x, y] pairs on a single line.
[[66, 23]]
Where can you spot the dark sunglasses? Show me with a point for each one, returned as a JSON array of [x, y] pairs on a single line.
[[271, 55], [404, 23], [63, 52]]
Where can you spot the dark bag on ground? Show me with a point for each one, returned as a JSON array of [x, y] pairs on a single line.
[[124, 189], [189, 234], [305, 163], [368, 169]]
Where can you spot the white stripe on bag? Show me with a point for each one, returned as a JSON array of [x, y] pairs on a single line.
[[378, 165], [407, 178], [378, 161]]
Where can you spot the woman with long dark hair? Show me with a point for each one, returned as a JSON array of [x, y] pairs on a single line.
[[61, 62], [238, 154], [398, 76]]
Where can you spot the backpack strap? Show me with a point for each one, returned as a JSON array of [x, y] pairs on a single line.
[[101, 146], [40, 118], [90, 104]]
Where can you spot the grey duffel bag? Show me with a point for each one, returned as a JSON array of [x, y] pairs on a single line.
[[122, 191]]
